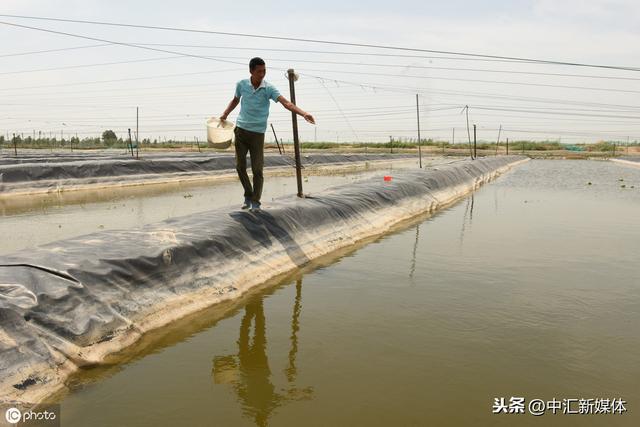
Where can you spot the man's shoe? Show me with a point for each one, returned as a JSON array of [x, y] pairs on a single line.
[[247, 204], [255, 207]]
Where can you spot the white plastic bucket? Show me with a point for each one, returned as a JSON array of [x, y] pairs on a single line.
[[219, 132]]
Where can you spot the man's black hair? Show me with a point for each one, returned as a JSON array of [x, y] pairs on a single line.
[[255, 62]]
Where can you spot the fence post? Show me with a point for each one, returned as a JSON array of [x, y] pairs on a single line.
[[292, 76]]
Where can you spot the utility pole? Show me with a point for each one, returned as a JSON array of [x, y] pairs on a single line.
[[475, 149], [15, 147], [137, 133], [419, 141], [292, 76], [627, 145], [498, 142], [466, 108], [130, 142]]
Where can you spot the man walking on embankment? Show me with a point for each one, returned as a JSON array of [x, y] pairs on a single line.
[[253, 95]]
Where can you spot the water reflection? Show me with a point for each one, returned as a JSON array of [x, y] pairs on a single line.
[[248, 372], [468, 216], [413, 257]]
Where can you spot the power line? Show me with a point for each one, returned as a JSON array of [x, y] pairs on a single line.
[[70, 67], [483, 70], [121, 80], [479, 81], [330, 42], [64, 49], [116, 42], [182, 54]]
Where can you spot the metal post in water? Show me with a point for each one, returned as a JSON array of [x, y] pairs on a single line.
[[419, 141], [292, 76]]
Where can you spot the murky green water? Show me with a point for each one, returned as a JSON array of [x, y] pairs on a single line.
[[529, 288]]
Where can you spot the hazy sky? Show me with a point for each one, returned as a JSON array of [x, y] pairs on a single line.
[[356, 94]]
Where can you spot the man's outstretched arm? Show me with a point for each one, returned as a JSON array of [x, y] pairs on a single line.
[[295, 109], [233, 104]]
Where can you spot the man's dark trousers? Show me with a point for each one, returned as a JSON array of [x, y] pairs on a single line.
[[252, 142]]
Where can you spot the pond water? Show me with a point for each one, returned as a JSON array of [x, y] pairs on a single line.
[[528, 288]]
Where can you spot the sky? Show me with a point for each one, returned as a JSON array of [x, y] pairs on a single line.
[[356, 94]]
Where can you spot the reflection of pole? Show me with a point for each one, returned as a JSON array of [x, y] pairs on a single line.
[[419, 144], [291, 370], [415, 249], [276, 138], [296, 142]]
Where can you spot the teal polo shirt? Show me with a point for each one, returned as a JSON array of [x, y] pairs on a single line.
[[254, 104]]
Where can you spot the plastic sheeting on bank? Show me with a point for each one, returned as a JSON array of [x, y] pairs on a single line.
[[72, 303], [41, 172]]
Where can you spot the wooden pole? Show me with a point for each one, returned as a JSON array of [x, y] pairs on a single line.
[[137, 133], [498, 142], [419, 141], [466, 107], [130, 142], [294, 119], [475, 148]]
